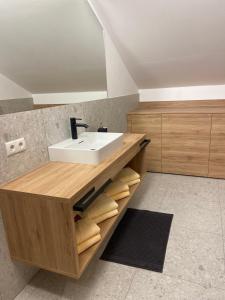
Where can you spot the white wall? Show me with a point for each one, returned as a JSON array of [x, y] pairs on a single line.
[[65, 98], [119, 80], [168, 43], [10, 90], [52, 46], [210, 92]]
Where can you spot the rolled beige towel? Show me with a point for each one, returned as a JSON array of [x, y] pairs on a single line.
[[101, 205], [86, 229], [120, 196], [115, 188], [106, 216], [88, 243], [126, 175]]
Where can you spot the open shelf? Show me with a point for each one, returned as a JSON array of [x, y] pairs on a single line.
[[105, 226]]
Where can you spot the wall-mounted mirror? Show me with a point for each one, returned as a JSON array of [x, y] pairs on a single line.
[[50, 46]]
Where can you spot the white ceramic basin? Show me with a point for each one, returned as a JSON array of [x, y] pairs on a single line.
[[89, 148]]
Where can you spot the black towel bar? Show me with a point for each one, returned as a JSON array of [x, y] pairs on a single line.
[[144, 143], [89, 197]]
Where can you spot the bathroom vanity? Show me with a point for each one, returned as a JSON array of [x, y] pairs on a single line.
[[38, 208]]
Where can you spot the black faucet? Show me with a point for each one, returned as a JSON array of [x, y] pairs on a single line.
[[74, 125]]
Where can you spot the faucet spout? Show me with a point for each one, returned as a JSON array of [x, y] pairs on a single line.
[[82, 125]]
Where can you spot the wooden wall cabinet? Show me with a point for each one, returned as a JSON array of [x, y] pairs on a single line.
[[217, 147], [188, 137], [151, 125], [185, 143]]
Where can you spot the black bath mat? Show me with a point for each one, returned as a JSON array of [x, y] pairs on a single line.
[[140, 240]]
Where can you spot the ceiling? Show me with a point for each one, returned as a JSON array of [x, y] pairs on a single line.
[[51, 46], [168, 43]]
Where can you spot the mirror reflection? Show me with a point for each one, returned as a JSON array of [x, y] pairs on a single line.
[[48, 47]]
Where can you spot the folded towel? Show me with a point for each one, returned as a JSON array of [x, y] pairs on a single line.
[[106, 216], [130, 183], [88, 243], [126, 175], [120, 195], [101, 205], [116, 187], [86, 229]]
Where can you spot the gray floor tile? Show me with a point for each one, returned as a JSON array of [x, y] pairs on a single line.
[[44, 286], [178, 201], [195, 212], [222, 210], [149, 285], [195, 185], [195, 256], [106, 281], [151, 193]]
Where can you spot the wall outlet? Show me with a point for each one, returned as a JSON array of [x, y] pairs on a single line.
[[15, 146]]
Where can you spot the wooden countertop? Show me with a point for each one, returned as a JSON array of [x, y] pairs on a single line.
[[64, 180]]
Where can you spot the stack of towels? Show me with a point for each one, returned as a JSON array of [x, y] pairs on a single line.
[[117, 190], [128, 176], [87, 234], [101, 209], [87, 230]]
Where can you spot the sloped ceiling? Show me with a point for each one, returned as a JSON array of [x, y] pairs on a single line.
[[51, 46], [168, 43]]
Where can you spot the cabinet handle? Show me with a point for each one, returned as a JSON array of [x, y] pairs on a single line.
[[144, 143], [89, 197]]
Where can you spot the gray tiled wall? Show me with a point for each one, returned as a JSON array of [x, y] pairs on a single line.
[[15, 105], [40, 129]]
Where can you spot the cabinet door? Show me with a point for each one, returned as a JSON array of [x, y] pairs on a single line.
[[217, 147], [185, 143], [151, 125]]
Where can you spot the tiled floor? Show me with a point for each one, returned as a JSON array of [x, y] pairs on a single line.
[[194, 265]]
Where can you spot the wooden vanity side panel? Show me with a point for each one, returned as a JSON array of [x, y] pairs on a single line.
[[140, 162], [151, 126], [217, 147], [185, 143], [40, 232]]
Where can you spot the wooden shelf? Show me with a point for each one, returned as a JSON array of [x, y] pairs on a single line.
[[105, 226]]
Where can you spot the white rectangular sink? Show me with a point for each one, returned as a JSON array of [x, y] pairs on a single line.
[[89, 148]]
